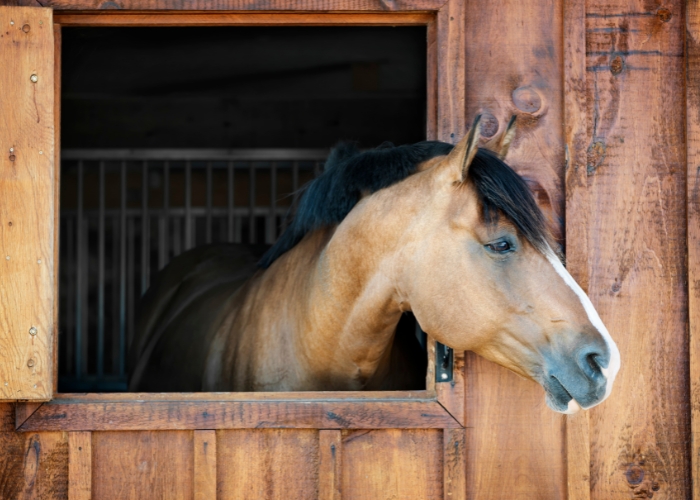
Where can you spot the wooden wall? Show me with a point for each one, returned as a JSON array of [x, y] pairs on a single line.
[[607, 97]]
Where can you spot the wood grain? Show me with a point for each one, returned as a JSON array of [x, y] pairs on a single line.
[[23, 411], [637, 184], [74, 415], [330, 452], [252, 5], [454, 446], [33, 465], [387, 464], [243, 19], [56, 192], [267, 464], [576, 126], [517, 46], [451, 124], [143, 465], [692, 82], [7, 417], [79, 465], [204, 465], [27, 203]]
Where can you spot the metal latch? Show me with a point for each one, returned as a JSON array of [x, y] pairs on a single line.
[[444, 361]]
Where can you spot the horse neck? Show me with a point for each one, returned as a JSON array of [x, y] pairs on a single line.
[[353, 302]]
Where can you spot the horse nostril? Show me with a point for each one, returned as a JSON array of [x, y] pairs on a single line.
[[592, 360]]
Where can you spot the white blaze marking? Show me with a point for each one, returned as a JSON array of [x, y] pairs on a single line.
[[614, 364]]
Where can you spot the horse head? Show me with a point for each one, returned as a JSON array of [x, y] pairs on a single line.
[[480, 274]]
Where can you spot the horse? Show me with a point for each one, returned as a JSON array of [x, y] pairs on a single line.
[[448, 233]]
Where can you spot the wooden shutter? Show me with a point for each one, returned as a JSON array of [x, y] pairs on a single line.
[[27, 182]]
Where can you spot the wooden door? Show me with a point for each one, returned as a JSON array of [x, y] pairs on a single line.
[[27, 204]]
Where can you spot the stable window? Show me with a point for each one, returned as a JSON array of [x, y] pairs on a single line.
[[158, 224]]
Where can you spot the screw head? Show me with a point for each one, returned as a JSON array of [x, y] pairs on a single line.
[[443, 376], [12, 150], [12, 23], [34, 78], [32, 331]]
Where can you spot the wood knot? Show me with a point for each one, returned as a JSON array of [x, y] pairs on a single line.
[[12, 157], [617, 65], [664, 15], [489, 125], [527, 99], [635, 475]]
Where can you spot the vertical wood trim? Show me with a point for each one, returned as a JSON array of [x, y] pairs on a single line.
[[431, 81], [692, 41], [56, 191], [576, 135], [27, 205], [79, 465], [454, 464], [451, 76], [204, 465], [330, 462]]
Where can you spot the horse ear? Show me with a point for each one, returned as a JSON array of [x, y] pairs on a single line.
[[464, 152], [503, 143]]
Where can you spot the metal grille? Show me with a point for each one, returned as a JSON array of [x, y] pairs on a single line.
[[125, 214]]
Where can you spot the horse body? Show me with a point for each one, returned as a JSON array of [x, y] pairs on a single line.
[[456, 239]]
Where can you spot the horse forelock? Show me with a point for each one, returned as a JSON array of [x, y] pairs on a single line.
[[349, 173]]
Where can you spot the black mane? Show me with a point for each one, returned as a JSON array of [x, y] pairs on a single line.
[[349, 173]]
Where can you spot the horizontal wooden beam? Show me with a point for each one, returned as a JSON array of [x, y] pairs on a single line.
[[112, 18], [240, 5], [117, 415]]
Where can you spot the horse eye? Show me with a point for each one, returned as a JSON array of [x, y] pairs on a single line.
[[499, 247]]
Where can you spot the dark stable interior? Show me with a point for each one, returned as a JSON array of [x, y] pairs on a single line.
[[203, 88]]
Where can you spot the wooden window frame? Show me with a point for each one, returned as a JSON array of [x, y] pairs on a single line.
[[440, 405]]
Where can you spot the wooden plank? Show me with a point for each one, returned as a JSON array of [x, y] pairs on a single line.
[[454, 458], [75, 415], [692, 85], [451, 394], [79, 465], [243, 19], [451, 43], [143, 465], [56, 192], [637, 187], [27, 203], [431, 81], [23, 411], [576, 121], [393, 463], [238, 5], [33, 465], [204, 465], [7, 417], [267, 464], [514, 66], [330, 452]]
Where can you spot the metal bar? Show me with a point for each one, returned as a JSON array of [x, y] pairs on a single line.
[[230, 197], [209, 203], [79, 260], [114, 332], [101, 274], [145, 231], [271, 229], [122, 268], [162, 225], [188, 205], [130, 277], [251, 203], [166, 215], [71, 262], [177, 237], [279, 154]]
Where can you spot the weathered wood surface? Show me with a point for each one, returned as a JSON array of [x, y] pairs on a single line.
[[33, 465], [692, 40], [393, 463], [636, 183], [244, 19], [330, 464], [267, 464], [454, 464], [76, 415], [79, 465], [204, 465], [513, 66], [150, 464], [245, 5], [27, 203]]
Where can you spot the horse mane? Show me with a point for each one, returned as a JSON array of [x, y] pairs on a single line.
[[349, 173]]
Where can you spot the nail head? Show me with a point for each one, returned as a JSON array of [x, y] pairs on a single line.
[[32, 331], [41, 152], [38, 261], [34, 78], [7, 257], [12, 149], [30, 363]]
